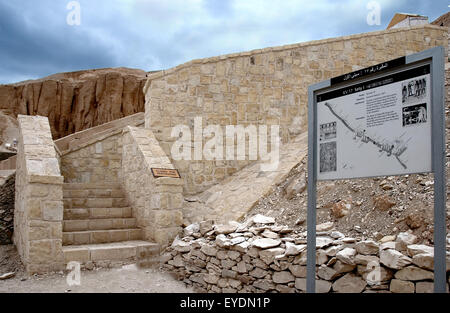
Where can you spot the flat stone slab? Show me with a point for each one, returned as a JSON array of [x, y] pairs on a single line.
[[7, 276], [261, 219], [265, 243], [108, 251]]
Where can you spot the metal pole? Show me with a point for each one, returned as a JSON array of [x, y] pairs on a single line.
[[312, 182], [438, 159], [311, 214], [438, 131]]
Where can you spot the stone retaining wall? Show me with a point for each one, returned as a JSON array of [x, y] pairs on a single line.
[[263, 257], [98, 161], [263, 87], [38, 210], [94, 155], [156, 202]]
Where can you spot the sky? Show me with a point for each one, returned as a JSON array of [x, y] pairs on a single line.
[[42, 37]]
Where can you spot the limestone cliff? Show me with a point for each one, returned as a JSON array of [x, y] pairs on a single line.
[[77, 100], [443, 20]]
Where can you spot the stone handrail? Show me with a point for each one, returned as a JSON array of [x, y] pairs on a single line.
[[156, 202], [88, 136]]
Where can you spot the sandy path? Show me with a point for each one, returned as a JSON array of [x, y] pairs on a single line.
[[98, 281], [127, 279]]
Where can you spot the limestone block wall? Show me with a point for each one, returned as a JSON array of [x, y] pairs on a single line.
[[96, 161], [38, 209], [156, 202], [263, 87]]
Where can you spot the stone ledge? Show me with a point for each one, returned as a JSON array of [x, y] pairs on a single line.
[[153, 145], [41, 179], [89, 136], [82, 143], [108, 251], [84, 186]]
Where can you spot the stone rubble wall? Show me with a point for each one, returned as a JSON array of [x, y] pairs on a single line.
[[97, 161], [262, 257], [156, 202], [38, 212], [263, 87], [7, 209]]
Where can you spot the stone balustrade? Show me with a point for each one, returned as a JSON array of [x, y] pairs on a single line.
[[156, 202], [38, 210]]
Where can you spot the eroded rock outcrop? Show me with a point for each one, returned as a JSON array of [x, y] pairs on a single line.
[[77, 100]]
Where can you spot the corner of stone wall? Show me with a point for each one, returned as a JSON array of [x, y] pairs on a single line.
[[38, 212], [157, 202]]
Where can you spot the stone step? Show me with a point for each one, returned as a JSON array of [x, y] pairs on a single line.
[[94, 193], [101, 236], [109, 202], [97, 213], [86, 186], [143, 252], [98, 224]]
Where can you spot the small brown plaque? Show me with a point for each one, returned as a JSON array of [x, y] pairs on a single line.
[[164, 172]]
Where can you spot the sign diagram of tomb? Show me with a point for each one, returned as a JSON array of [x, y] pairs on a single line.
[[371, 130]]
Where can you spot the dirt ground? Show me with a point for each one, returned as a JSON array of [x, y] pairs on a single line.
[[127, 279], [412, 196]]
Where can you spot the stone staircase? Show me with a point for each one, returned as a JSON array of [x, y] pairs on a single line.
[[98, 226]]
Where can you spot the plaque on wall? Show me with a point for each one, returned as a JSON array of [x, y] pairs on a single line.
[[165, 172]]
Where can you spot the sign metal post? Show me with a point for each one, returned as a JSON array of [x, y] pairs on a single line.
[[390, 116]]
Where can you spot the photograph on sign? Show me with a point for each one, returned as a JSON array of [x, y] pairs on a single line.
[[376, 128]]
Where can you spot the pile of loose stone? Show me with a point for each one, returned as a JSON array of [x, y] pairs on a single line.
[[7, 210], [259, 256]]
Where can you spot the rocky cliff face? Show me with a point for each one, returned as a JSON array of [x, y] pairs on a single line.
[[443, 20], [78, 100]]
